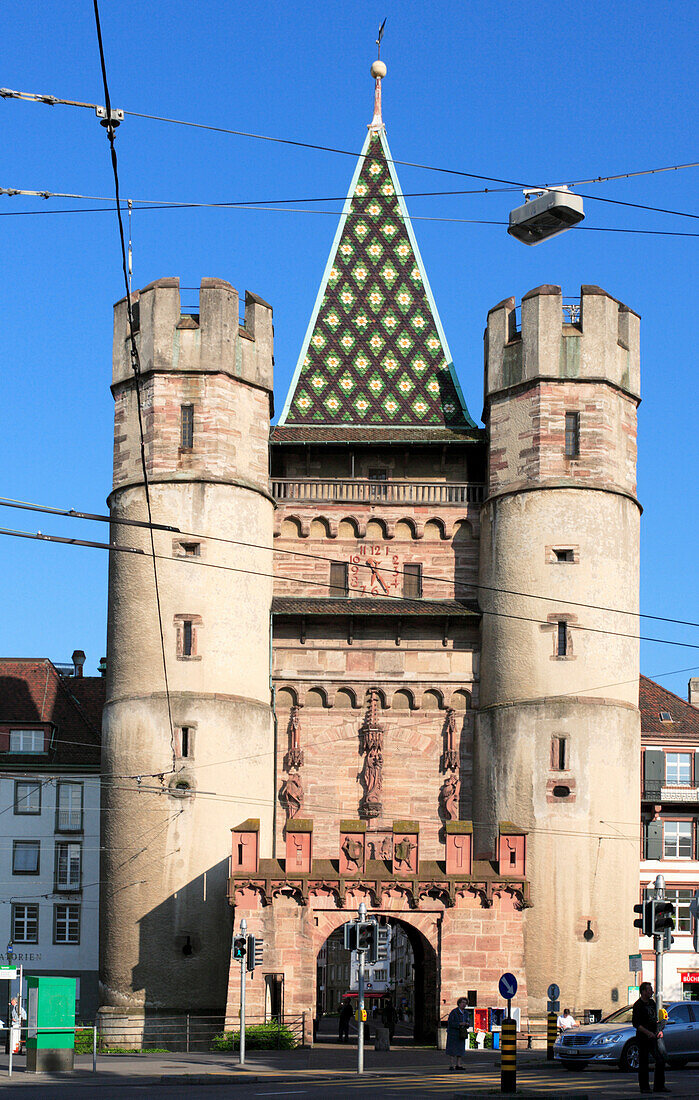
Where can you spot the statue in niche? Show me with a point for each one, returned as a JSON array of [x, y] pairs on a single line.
[[373, 780], [450, 759], [291, 795], [450, 797], [385, 849], [403, 851], [353, 851]]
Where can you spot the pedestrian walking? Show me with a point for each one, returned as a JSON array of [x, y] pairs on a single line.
[[389, 1018], [457, 1034], [344, 1021], [650, 1040], [17, 1015]]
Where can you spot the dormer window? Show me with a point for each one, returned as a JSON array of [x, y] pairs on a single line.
[[665, 716], [27, 741]]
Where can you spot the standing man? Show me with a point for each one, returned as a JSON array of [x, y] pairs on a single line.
[[648, 1031], [17, 1016]]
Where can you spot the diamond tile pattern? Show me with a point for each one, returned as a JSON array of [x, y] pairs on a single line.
[[375, 355]]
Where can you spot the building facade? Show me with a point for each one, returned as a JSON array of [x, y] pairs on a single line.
[[421, 731], [50, 794], [670, 824]]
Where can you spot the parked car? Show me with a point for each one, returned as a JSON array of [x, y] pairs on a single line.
[[613, 1040]]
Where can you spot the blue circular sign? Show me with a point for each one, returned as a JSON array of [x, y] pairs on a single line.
[[507, 986]]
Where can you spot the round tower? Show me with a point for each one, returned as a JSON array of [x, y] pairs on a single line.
[[178, 777], [557, 744]]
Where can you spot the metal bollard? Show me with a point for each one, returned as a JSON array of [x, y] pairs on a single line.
[[9, 1064], [551, 1033], [94, 1048], [508, 1056]]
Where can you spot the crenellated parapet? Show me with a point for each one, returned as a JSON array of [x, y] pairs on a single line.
[[212, 340], [599, 341]]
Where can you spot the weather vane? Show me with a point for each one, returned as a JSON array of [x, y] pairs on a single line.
[[378, 40]]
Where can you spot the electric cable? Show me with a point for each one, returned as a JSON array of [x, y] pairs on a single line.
[[348, 610], [71, 513], [135, 363]]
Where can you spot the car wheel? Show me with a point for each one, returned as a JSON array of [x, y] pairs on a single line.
[[628, 1063]]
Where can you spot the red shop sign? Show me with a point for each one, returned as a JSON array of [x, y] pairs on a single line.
[[690, 976]]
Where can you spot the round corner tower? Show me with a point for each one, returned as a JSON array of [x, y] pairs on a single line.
[[557, 744], [173, 789]]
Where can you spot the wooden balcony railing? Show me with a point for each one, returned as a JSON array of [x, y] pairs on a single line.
[[356, 491]]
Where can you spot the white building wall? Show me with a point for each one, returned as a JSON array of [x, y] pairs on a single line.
[[46, 957]]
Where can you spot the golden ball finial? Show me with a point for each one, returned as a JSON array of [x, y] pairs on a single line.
[[378, 69]]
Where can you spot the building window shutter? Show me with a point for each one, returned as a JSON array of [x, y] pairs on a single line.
[[654, 839], [695, 778], [653, 773]]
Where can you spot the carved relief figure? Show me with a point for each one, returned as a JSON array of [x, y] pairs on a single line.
[[372, 744], [291, 795], [450, 797], [403, 850], [353, 851], [385, 849], [294, 756], [450, 759]]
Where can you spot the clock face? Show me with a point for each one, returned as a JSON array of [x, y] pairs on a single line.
[[374, 570]]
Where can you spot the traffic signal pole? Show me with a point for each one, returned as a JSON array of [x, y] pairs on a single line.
[[658, 945], [360, 998], [243, 972]]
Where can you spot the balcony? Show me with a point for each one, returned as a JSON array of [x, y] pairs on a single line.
[[357, 491], [681, 793]]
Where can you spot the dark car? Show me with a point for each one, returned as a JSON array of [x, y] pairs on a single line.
[[613, 1041]]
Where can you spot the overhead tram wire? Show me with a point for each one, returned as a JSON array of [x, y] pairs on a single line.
[[8, 93], [136, 366], [71, 513], [327, 585]]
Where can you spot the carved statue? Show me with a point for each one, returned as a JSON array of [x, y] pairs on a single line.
[[353, 851], [450, 797], [372, 744], [294, 756], [403, 850], [292, 794], [450, 760], [385, 849]]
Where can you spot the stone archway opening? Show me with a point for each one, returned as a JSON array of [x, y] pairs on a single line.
[[401, 989]]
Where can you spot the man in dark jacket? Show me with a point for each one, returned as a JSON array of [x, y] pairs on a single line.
[[648, 1032]]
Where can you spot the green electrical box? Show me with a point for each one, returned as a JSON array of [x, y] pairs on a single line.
[[50, 1023]]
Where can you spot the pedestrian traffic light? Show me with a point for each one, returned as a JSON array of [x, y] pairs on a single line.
[[368, 940], [384, 935], [663, 917], [668, 939], [254, 952], [239, 948], [645, 921]]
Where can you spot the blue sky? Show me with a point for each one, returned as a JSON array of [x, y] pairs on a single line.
[[541, 94]]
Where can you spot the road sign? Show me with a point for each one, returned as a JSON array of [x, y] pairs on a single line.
[[507, 986], [635, 963], [553, 992], [553, 1006], [8, 973]]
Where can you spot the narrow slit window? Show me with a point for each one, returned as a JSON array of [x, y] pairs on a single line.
[[190, 549], [339, 578], [187, 638], [563, 556], [558, 754], [187, 427], [561, 638], [572, 434], [412, 580], [185, 741]]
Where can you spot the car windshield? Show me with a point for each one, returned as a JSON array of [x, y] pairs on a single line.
[[621, 1016]]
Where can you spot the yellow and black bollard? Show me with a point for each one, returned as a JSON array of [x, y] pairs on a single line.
[[551, 1034], [508, 1056]]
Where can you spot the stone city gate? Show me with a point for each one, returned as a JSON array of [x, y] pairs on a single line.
[[465, 929]]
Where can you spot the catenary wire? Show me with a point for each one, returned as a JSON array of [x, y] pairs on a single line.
[[324, 584], [135, 364], [8, 93], [73, 514]]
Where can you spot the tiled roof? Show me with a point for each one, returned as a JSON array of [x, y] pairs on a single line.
[[355, 433], [361, 605], [32, 691], [653, 699], [375, 352]]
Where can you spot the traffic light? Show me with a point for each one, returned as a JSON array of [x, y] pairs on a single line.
[[254, 952], [668, 939], [351, 937], [368, 940], [663, 917], [239, 948], [645, 921], [384, 935]]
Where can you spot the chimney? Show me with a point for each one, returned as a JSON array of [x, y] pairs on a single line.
[[102, 667], [693, 691], [78, 660]]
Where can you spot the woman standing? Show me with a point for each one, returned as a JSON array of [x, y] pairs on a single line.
[[457, 1034]]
